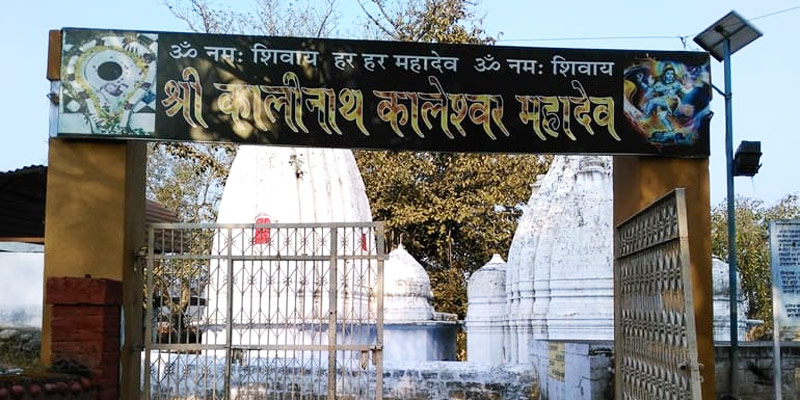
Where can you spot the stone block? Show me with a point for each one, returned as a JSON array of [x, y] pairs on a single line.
[[67, 326], [421, 394], [75, 291], [427, 375], [108, 394], [455, 385], [467, 376], [495, 387], [85, 310]]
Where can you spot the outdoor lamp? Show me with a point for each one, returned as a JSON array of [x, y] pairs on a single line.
[[746, 162]]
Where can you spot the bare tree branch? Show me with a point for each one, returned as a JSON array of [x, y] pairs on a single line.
[[327, 15], [377, 23]]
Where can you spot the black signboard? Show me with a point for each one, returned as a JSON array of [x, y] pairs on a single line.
[[383, 95]]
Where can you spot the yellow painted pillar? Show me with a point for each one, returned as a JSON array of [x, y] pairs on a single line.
[[94, 223], [638, 181]]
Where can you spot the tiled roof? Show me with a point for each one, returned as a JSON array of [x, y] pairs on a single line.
[[22, 200], [22, 204], [155, 212]]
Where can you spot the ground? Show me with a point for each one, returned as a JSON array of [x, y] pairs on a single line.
[[19, 349]]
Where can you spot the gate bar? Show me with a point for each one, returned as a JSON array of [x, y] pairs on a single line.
[[332, 306], [378, 359], [229, 327], [148, 329]]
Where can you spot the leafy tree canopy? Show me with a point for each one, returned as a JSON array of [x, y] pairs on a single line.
[[752, 250], [451, 211]]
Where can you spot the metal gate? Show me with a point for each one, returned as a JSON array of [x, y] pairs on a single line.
[[264, 311], [655, 338]]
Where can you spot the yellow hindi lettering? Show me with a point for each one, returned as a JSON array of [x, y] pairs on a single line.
[[435, 104], [484, 110], [460, 108], [453, 109], [263, 105], [551, 120], [390, 110], [352, 108], [324, 101], [583, 108], [282, 99], [604, 114], [553, 114], [526, 115], [237, 101], [396, 114], [186, 96]]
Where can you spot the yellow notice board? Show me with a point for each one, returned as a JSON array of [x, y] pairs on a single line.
[[556, 369]]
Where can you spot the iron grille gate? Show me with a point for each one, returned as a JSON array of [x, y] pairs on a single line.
[[655, 338], [261, 311]]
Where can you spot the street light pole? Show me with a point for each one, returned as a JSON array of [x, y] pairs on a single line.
[[734, 316], [723, 38]]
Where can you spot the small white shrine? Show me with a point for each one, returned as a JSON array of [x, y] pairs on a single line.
[[413, 331], [485, 321], [722, 306]]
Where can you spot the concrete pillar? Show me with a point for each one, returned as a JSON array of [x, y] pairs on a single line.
[[85, 324], [94, 223], [638, 181]]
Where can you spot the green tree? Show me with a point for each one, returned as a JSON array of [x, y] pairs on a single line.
[[188, 179], [752, 250], [430, 21], [451, 211]]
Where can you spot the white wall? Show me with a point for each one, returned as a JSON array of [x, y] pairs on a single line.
[[21, 287]]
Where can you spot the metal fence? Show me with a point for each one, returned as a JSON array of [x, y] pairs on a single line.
[[264, 311], [655, 339]]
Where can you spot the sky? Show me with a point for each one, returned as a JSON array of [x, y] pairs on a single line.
[[765, 82]]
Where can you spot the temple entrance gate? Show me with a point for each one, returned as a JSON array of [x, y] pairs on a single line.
[[342, 94], [259, 311], [654, 326]]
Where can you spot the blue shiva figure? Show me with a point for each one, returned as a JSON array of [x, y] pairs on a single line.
[[664, 97]]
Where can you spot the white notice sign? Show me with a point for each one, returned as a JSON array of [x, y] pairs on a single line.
[[784, 242]]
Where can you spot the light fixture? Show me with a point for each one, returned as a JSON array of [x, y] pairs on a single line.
[[731, 27], [746, 161]]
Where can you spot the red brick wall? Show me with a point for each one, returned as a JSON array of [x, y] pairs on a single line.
[[86, 328], [46, 386]]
